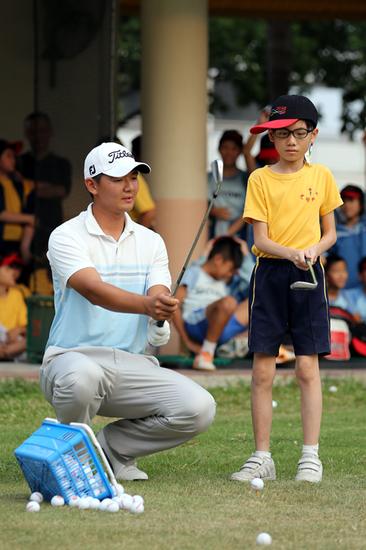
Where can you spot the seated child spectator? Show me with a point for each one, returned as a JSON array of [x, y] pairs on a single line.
[[336, 276], [13, 312], [226, 214], [209, 315], [357, 296], [351, 232]]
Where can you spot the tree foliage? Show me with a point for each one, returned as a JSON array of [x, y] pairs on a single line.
[[330, 53]]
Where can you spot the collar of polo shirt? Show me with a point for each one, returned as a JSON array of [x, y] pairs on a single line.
[[94, 228]]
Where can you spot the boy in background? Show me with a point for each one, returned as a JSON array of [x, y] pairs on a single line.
[[13, 311], [351, 232], [226, 214], [284, 203], [208, 315]]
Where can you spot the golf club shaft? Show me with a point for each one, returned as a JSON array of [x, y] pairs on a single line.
[[204, 220], [311, 269]]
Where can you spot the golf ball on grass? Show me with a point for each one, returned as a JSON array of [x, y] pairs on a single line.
[[84, 503], [274, 404], [74, 501], [264, 539], [119, 489], [333, 389], [113, 506], [127, 501], [257, 484], [94, 503], [57, 500], [36, 497], [33, 506], [104, 504]]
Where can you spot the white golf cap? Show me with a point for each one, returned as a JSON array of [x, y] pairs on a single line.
[[112, 159]]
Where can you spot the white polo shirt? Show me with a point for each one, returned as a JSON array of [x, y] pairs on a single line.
[[136, 262]]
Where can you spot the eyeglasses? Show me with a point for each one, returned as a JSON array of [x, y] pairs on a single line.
[[284, 133]]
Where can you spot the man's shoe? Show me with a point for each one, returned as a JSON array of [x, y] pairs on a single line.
[[309, 468], [256, 466], [124, 471], [204, 361]]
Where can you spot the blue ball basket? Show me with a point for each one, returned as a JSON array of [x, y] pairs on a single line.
[[59, 459]]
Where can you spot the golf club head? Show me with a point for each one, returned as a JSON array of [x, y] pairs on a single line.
[[303, 285], [217, 168]]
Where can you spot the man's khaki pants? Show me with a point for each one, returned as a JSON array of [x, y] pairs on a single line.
[[158, 407]]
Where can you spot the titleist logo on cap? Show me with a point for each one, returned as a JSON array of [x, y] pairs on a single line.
[[114, 155]]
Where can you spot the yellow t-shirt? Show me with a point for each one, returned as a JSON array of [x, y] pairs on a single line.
[[14, 203], [144, 201], [291, 204], [13, 309]]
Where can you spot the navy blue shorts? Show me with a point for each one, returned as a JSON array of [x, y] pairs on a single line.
[[276, 310]]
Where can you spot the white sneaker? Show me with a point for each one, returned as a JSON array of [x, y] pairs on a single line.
[[203, 361], [256, 466], [124, 471], [309, 468]]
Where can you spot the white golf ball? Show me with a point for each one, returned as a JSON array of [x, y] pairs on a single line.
[[57, 500], [94, 504], [274, 404], [104, 504], [84, 503], [74, 501], [36, 497], [33, 506], [113, 506], [333, 389], [264, 539], [257, 484], [120, 489], [138, 499], [127, 501], [137, 507]]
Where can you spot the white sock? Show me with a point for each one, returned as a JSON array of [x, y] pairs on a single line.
[[209, 347], [310, 449], [262, 454]]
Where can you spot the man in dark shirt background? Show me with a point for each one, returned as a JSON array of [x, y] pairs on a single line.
[[52, 176]]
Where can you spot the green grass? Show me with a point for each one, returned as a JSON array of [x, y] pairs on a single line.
[[189, 501]]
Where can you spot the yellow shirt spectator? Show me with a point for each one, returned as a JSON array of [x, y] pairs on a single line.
[[13, 310]]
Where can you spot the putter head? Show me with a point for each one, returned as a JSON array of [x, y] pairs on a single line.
[[303, 285], [217, 168]]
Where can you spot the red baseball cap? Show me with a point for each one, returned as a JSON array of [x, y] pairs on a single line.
[[12, 260], [286, 110]]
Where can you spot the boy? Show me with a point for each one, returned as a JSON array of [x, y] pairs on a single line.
[[284, 203], [209, 315], [226, 214], [13, 310]]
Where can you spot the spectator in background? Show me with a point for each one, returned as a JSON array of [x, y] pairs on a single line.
[[226, 214], [267, 152], [357, 296], [144, 211], [16, 205], [336, 276], [351, 232], [209, 316], [13, 311], [52, 176]]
